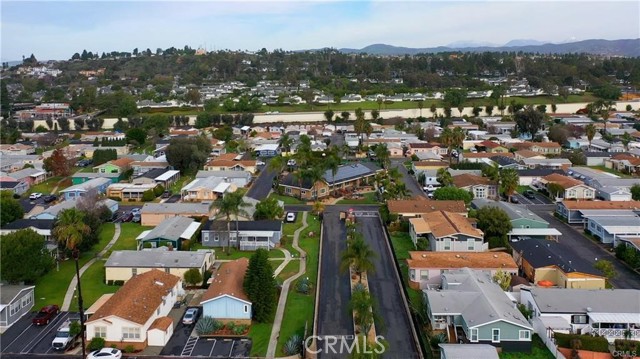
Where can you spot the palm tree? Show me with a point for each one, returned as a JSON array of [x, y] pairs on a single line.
[[318, 208], [237, 201], [226, 208], [420, 106], [590, 131], [457, 137], [69, 231], [333, 163], [362, 305], [360, 124], [509, 181], [358, 256], [394, 174], [382, 154], [444, 177], [446, 139], [625, 139], [433, 109], [285, 142]]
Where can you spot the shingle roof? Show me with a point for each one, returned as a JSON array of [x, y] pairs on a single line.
[[444, 224], [161, 323], [8, 292], [176, 208], [26, 223], [228, 280], [455, 260], [562, 180], [264, 225], [466, 180], [172, 229], [425, 206], [138, 299], [513, 211], [157, 259], [573, 205], [89, 185], [567, 300], [544, 253]]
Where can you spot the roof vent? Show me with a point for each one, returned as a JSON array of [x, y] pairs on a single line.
[[424, 256], [589, 309], [495, 256], [158, 283]]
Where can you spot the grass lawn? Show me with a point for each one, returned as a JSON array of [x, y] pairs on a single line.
[[286, 199], [287, 234], [300, 307], [221, 253], [93, 285], [538, 351], [368, 198], [522, 189], [289, 270], [46, 186], [402, 244], [184, 179], [128, 233], [260, 333], [609, 170]]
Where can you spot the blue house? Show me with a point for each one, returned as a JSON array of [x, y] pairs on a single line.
[[53, 211], [225, 299], [82, 177], [99, 185]]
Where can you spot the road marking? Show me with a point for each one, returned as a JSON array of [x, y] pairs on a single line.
[[365, 214], [52, 325], [231, 351], [18, 337], [189, 346], [213, 346]]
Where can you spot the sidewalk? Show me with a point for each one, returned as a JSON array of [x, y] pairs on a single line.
[[74, 281]]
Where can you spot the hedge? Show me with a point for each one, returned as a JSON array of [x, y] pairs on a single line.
[[588, 342]]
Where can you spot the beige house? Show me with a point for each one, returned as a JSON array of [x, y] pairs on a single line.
[[522, 154], [410, 208], [573, 188], [481, 187], [231, 162], [123, 265], [207, 189], [448, 232], [129, 192], [152, 214]]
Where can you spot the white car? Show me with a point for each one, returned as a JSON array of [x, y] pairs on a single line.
[[260, 163], [105, 353], [291, 217], [35, 195], [190, 316], [135, 211], [291, 163]]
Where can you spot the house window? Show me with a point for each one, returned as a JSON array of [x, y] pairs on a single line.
[[424, 275], [158, 310], [100, 332], [579, 319], [471, 244], [495, 335], [134, 271], [473, 334], [26, 300], [167, 270], [412, 273], [246, 309], [447, 244], [480, 192], [130, 333], [15, 308], [216, 237], [572, 193], [323, 190], [287, 190], [102, 170], [524, 335], [588, 193]]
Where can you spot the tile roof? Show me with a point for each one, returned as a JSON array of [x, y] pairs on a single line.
[[573, 205], [122, 162], [527, 153], [466, 180], [489, 144], [138, 299], [444, 223], [431, 164], [161, 323], [562, 180], [473, 260], [228, 280], [425, 206]]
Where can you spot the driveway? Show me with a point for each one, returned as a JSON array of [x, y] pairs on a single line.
[[584, 248], [334, 318], [178, 340], [407, 179], [26, 338], [384, 286], [173, 199], [263, 183], [538, 200]]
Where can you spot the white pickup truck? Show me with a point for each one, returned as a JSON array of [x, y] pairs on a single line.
[[64, 339]]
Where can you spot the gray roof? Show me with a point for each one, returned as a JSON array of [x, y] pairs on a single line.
[[466, 351], [170, 229], [171, 208], [545, 161], [349, 172], [475, 296], [96, 175], [514, 211], [222, 174], [25, 173], [88, 186], [9, 292], [540, 253], [566, 300], [632, 223], [71, 203], [157, 259]]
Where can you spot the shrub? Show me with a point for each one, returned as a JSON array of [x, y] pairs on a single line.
[[205, 278], [293, 345], [207, 325], [96, 343], [239, 329], [231, 326], [303, 286], [193, 276], [158, 190], [438, 339], [110, 282], [129, 349], [148, 196], [185, 245], [588, 342], [118, 282]]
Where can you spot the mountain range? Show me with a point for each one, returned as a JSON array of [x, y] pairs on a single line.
[[625, 47]]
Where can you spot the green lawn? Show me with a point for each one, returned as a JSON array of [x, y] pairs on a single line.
[[402, 244], [289, 270], [288, 229], [368, 198], [286, 199], [128, 233], [260, 333], [46, 186], [538, 351], [221, 253], [300, 307], [176, 187], [93, 285], [522, 189]]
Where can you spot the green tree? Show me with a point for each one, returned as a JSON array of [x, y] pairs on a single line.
[[635, 192], [443, 176], [382, 154], [10, 208], [260, 286], [456, 98], [555, 190], [57, 163], [503, 279], [136, 135], [285, 142], [362, 304], [590, 131], [24, 257], [509, 181], [491, 172], [495, 223], [358, 256], [212, 105], [626, 139], [188, 155], [453, 194], [433, 109], [5, 100], [193, 276], [268, 208], [328, 114], [224, 133], [420, 106], [193, 97], [607, 92], [529, 120], [606, 267]]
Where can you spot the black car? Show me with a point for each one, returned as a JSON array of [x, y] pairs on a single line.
[[127, 217], [529, 194], [49, 198], [166, 194]]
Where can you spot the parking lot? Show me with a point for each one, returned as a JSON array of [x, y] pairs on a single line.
[[26, 338]]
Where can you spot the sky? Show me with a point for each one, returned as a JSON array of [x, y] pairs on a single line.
[[54, 30]]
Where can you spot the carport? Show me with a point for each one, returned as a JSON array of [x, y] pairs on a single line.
[[547, 233]]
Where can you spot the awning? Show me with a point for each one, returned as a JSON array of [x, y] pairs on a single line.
[[555, 323], [143, 234], [535, 232], [167, 175], [614, 317], [188, 233]]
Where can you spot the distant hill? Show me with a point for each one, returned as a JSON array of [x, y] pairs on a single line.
[[627, 48]]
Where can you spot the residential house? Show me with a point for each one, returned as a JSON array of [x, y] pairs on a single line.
[[428, 156], [267, 150], [597, 158], [31, 176], [491, 147], [15, 301], [347, 177], [9, 184], [123, 265], [253, 234], [421, 147], [519, 216], [529, 176], [153, 214], [96, 185], [504, 162], [546, 148], [158, 176], [623, 162], [131, 315], [206, 189], [572, 188], [465, 351], [553, 163], [10, 163], [41, 226], [411, 208], [426, 267], [421, 166], [481, 187], [600, 145], [474, 309], [612, 313], [522, 154], [609, 187], [170, 232], [238, 178], [18, 149], [140, 167], [546, 263], [226, 300], [82, 177], [129, 192], [609, 225], [481, 157], [572, 211], [231, 162], [120, 165], [53, 211], [446, 231]]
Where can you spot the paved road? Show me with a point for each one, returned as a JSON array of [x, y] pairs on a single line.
[[334, 317], [573, 241], [538, 200], [263, 183], [176, 343], [384, 286], [409, 180], [25, 338]]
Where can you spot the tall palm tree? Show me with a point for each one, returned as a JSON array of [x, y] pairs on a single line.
[[332, 162], [446, 139], [360, 124], [363, 305], [382, 154], [226, 208], [358, 256], [420, 107], [69, 231], [590, 131], [237, 209], [509, 181], [444, 177], [285, 142]]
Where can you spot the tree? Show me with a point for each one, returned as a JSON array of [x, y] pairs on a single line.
[[193, 97], [495, 223], [606, 267], [455, 98], [529, 120], [212, 105], [491, 172], [193, 276], [285, 142], [590, 131], [5, 100], [509, 181], [268, 208], [260, 286], [70, 230], [382, 154], [443, 176], [362, 305], [10, 208], [607, 92], [103, 156], [420, 106], [433, 109], [488, 109], [224, 133], [555, 190], [476, 111], [503, 279], [554, 107], [558, 133], [453, 194], [635, 192], [137, 136], [626, 139], [345, 115], [57, 163], [328, 114], [375, 114], [358, 256], [24, 257], [188, 155]]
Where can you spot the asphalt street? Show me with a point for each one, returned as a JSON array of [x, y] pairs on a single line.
[[176, 343], [26, 338], [407, 179], [538, 200], [384, 286], [262, 184], [573, 241]]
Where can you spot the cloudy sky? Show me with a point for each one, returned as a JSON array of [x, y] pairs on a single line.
[[56, 30]]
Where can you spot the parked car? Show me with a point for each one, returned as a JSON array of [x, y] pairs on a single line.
[[291, 217], [64, 339], [260, 163], [166, 194], [136, 218], [127, 217], [135, 211], [105, 353], [50, 198], [291, 162], [514, 199], [35, 195], [114, 216], [529, 194], [190, 316], [45, 314]]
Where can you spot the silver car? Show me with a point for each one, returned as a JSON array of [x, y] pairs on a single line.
[[190, 316]]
